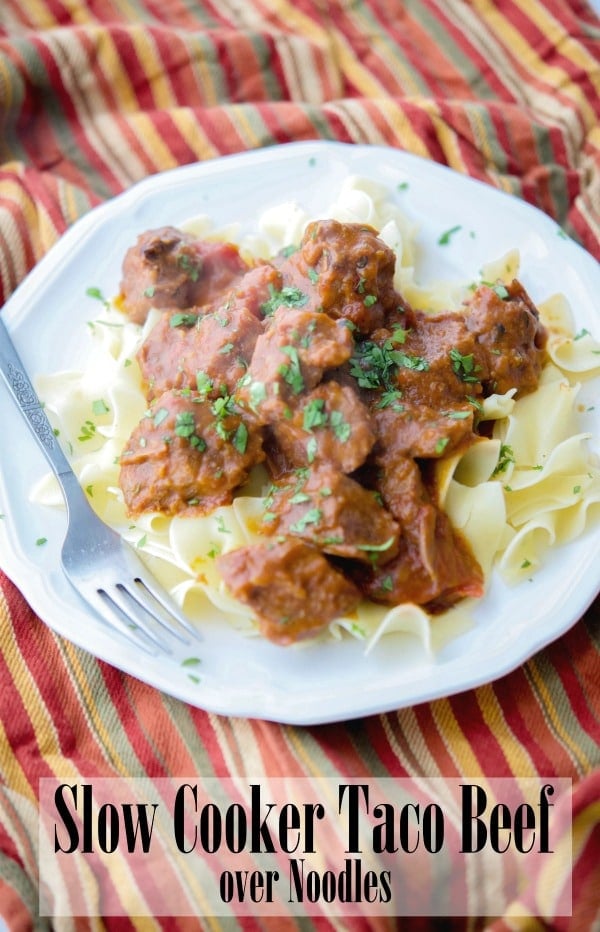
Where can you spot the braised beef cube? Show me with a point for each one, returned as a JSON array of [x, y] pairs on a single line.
[[187, 456], [437, 362], [207, 351], [334, 512], [169, 268], [290, 586], [329, 425], [434, 565], [413, 430], [348, 272], [289, 358], [507, 328]]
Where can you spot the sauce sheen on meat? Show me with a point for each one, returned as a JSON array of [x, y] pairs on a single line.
[[313, 364]]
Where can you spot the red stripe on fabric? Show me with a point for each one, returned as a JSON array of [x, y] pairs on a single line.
[[63, 96], [549, 52]]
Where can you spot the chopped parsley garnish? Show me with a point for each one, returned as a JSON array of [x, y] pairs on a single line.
[[182, 319], [240, 438], [87, 430], [340, 426], [291, 371], [441, 445], [185, 427], [314, 414], [445, 238], [288, 296], [204, 384], [505, 457], [160, 416], [312, 516], [96, 293], [100, 407], [464, 366], [375, 365], [191, 268]]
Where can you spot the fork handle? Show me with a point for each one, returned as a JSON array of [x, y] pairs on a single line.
[[17, 380]]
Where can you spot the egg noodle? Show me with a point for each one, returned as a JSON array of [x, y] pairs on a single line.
[[533, 483]]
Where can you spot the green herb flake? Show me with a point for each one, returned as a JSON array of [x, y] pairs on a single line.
[[311, 449], [240, 438], [100, 407], [87, 431], [41, 541], [441, 445], [288, 296], [505, 457], [183, 320], [291, 371], [464, 366], [314, 414], [340, 426], [96, 293], [445, 237], [204, 384], [160, 416], [312, 516]]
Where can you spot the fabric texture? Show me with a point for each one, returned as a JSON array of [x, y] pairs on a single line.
[[97, 95]]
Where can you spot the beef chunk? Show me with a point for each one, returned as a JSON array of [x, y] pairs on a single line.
[[329, 425], [208, 351], [290, 586], [350, 271], [290, 358], [508, 332], [168, 268], [434, 565], [336, 513], [407, 429], [187, 456]]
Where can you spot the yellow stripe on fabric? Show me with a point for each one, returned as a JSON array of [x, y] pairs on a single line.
[[238, 114], [539, 680], [539, 14], [194, 135], [556, 78], [458, 746], [13, 774], [401, 126], [40, 227], [483, 143], [208, 78], [388, 53], [154, 69], [447, 137], [152, 142], [289, 17], [115, 73], [497, 51], [515, 752], [89, 705], [89, 104], [40, 720]]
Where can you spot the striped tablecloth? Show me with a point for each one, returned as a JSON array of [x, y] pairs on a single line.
[[96, 95]]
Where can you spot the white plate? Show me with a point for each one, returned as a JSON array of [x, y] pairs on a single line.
[[252, 678]]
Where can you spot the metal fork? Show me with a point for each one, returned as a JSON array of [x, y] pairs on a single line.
[[98, 563]]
